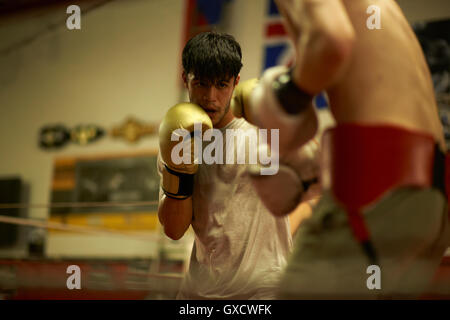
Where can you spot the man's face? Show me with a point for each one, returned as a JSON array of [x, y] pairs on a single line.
[[214, 98]]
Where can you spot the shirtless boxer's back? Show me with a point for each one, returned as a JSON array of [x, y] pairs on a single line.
[[382, 169], [387, 80]]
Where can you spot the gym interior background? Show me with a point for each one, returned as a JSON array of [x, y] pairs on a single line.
[[78, 135]]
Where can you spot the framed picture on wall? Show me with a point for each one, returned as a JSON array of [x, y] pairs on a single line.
[[128, 182], [116, 180]]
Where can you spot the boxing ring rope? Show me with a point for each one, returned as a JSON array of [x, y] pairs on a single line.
[[39, 223], [51, 225], [76, 228], [77, 205]]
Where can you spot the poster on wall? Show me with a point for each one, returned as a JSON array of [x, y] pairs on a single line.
[[435, 41]]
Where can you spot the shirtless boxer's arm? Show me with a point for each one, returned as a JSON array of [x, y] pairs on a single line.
[[283, 99], [301, 213], [323, 50], [296, 217]]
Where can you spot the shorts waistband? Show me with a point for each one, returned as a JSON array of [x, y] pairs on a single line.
[[362, 162]]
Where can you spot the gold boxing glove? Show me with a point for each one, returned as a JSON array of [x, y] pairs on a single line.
[[240, 103], [176, 134]]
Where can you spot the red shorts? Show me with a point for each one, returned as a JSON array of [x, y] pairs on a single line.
[[361, 163]]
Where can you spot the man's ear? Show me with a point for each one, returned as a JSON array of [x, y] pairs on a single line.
[[184, 76], [236, 81]]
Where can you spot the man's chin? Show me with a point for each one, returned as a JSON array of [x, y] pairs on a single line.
[[214, 118]]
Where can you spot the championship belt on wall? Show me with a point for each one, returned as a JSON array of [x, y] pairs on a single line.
[[53, 137], [84, 134], [132, 130], [56, 136]]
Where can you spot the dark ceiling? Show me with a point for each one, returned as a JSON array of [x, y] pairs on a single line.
[[10, 7]]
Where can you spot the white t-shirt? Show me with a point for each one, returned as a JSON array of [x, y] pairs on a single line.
[[240, 248]]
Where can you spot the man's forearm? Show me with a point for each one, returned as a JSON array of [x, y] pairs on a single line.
[[303, 210], [175, 215], [323, 51], [300, 213], [324, 60]]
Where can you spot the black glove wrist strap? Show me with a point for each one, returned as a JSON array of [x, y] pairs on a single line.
[[307, 183], [293, 99], [185, 185]]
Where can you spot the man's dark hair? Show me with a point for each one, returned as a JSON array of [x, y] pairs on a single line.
[[212, 56]]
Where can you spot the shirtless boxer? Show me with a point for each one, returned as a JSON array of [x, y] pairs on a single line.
[[383, 165]]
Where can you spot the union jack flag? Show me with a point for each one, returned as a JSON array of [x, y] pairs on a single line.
[[278, 48]]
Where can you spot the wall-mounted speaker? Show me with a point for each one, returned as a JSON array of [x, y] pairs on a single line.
[[10, 193]]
